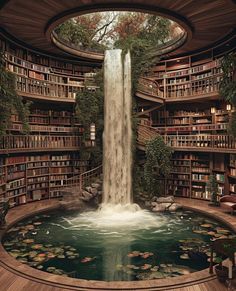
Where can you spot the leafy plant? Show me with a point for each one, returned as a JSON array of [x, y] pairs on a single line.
[[213, 188], [228, 86], [157, 165], [89, 109], [10, 101]]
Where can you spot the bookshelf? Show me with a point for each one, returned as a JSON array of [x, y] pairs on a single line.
[[37, 166], [37, 176], [192, 173]]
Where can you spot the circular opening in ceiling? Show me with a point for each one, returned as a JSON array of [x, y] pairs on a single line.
[[89, 35]]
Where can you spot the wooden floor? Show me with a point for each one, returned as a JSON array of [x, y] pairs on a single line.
[[17, 277]]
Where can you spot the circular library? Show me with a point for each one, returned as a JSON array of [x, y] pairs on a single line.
[[117, 145]]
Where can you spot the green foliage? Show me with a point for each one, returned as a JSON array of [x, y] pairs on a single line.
[[213, 188], [228, 82], [228, 86], [78, 34], [89, 109], [10, 102], [232, 124], [157, 165]]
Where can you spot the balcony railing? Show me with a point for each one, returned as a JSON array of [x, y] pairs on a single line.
[[31, 142], [216, 142]]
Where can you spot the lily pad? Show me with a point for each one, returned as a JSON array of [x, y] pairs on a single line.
[[207, 225], [28, 241], [184, 257], [50, 269], [146, 267], [37, 246]]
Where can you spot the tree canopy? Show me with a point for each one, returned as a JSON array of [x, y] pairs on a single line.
[[105, 30]]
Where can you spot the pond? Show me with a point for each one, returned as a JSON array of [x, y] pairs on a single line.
[[152, 246]]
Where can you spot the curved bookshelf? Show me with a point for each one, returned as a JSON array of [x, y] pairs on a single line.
[[37, 166]]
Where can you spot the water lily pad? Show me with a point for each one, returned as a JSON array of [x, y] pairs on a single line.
[[71, 257], [69, 253], [87, 259], [48, 245], [50, 269], [37, 246], [154, 269], [39, 259], [61, 257], [15, 255], [29, 227], [146, 255], [207, 225], [32, 254], [28, 241], [51, 255], [222, 231], [8, 244], [58, 272], [146, 267], [184, 257], [13, 229], [200, 231], [134, 254], [22, 260], [42, 255]]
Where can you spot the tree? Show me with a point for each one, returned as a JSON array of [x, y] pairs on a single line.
[[10, 101], [157, 165]]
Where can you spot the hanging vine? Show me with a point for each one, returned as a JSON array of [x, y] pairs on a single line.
[[10, 101]]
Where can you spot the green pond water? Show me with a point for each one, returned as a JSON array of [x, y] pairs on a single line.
[[149, 247]]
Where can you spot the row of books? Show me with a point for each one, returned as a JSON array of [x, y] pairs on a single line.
[[193, 70]]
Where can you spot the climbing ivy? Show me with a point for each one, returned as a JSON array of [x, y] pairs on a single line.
[[10, 101], [157, 165], [228, 86], [89, 109]]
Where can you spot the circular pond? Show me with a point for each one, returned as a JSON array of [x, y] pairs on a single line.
[[139, 247]]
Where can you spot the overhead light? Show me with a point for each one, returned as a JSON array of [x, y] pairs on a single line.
[[213, 110], [142, 109], [228, 107]]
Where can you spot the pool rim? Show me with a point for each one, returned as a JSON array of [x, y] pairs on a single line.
[[23, 270]]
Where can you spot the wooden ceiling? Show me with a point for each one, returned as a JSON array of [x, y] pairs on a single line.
[[30, 21]]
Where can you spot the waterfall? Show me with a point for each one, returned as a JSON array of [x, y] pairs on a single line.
[[117, 136]]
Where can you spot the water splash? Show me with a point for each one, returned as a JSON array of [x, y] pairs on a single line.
[[118, 218]]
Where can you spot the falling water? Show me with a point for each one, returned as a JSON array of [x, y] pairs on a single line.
[[117, 136]]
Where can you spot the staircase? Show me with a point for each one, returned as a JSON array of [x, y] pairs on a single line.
[[74, 192], [145, 133]]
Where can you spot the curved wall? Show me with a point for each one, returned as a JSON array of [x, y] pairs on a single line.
[[37, 166]]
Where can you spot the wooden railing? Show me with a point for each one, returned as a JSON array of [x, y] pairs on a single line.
[[193, 88], [198, 141], [150, 87], [33, 142], [192, 128], [85, 178], [201, 141]]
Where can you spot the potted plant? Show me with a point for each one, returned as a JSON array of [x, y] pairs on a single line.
[[220, 270]]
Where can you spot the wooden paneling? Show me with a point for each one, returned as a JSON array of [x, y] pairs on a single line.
[[26, 20]]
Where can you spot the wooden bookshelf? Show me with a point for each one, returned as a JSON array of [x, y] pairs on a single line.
[[34, 177]]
